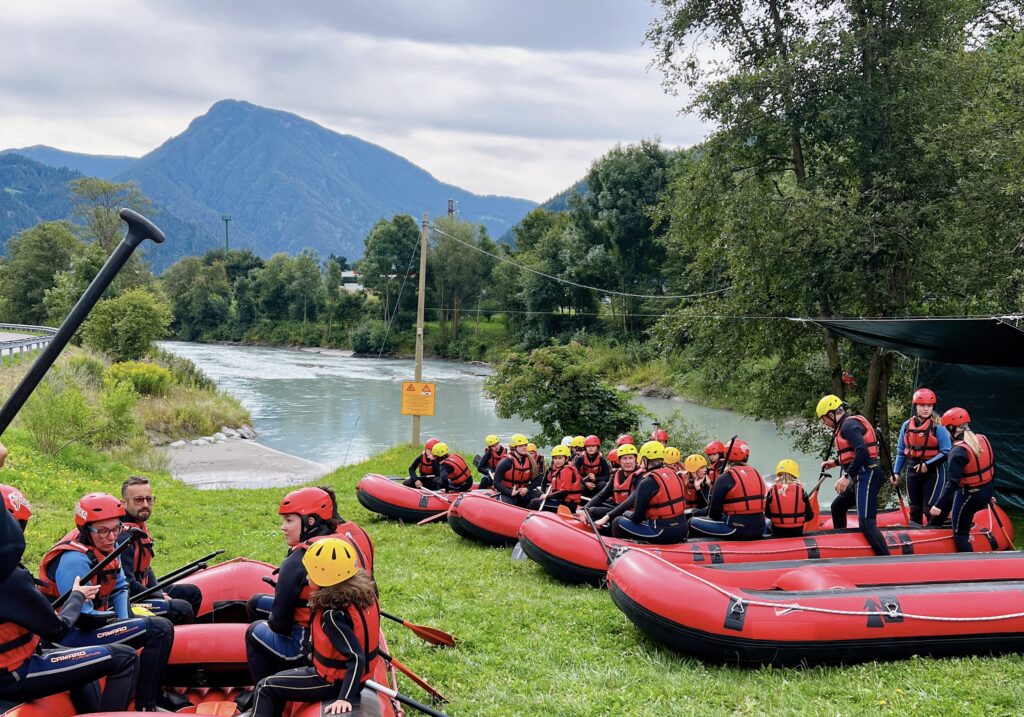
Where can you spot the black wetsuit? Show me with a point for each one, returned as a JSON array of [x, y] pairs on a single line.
[[966, 502], [179, 603], [865, 481]]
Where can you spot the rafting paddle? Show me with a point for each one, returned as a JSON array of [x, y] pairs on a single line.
[[427, 634], [176, 577], [377, 687], [432, 518], [434, 694]]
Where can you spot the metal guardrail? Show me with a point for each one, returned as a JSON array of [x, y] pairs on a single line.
[[34, 340]]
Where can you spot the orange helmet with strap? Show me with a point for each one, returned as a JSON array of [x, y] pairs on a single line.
[[307, 501], [95, 507]]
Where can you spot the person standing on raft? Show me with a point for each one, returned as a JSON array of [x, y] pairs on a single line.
[[423, 470], [617, 495], [857, 447], [659, 506], [26, 617], [515, 477], [969, 477], [564, 481], [787, 505], [453, 473], [344, 635], [922, 447], [736, 506], [592, 467], [489, 459]]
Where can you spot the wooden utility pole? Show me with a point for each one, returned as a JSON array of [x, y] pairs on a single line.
[[420, 309]]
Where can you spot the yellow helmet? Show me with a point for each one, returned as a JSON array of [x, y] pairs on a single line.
[[578, 442], [330, 561], [694, 463], [672, 455], [627, 449], [518, 440], [652, 451], [828, 403], [560, 451], [440, 449], [491, 440], [531, 447], [788, 465]]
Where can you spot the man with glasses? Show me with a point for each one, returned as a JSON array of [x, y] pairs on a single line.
[[106, 619], [180, 602]]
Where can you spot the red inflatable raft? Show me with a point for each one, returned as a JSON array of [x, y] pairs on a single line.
[[483, 517], [568, 549], [227, 586], [388, 497], [832, 611], [207, 669]]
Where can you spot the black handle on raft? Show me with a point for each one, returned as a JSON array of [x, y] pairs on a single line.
[[139, 229], [134, 534]]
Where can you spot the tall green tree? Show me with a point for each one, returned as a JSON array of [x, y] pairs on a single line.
[[96, 202], [458, 274], [391, 248], [34, 258]]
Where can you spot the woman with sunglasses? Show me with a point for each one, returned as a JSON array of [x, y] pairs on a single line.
[[106, 618]]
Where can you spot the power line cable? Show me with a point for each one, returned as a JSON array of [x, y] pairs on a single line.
[[398, 301], [560, 280]]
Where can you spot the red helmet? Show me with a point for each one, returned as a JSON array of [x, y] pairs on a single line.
[[924, 395], [739, 451], [624, 439], [592, 440], [431, 442], [714, 447], [660, 435], [307, 501], [16, 504], [613, 457], [95, 507], [955, 417]]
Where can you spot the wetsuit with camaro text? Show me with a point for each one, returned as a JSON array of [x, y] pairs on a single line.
[[25, 617]]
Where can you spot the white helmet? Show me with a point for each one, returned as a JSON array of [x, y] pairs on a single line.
[[567, 441]]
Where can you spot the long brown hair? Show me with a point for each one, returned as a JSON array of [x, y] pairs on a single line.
[[358, 590]]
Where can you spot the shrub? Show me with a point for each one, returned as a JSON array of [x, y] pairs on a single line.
[[147, 379], [187, 412], [56, 414], [372, 338], [125, 327], [183, 371], [87, 370]]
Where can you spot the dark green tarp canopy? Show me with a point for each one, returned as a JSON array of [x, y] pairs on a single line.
[[974, 363]]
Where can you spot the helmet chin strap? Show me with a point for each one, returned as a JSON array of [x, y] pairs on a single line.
[[309, 531]]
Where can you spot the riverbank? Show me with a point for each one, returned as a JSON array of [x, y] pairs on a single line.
[[573, 652], [239, 464]]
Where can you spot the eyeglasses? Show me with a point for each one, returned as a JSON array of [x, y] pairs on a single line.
[[104, 532], [143, 499]]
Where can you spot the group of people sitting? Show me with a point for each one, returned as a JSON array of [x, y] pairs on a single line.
[[78, 621], [653, 494]]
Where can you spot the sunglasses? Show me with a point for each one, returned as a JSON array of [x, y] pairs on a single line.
[[143, 499]]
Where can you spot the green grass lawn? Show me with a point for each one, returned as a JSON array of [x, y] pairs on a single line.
[[527, 644]]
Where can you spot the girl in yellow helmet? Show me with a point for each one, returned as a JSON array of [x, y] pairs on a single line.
[[515, 477], [488, 461], [344, 635], [787, 506]]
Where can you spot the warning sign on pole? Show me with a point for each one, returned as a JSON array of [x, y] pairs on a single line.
[[417, 398]]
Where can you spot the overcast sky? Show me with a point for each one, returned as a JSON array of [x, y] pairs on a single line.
[[497, 96]]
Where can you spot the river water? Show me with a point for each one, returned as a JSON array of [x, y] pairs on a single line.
[[336, 409]]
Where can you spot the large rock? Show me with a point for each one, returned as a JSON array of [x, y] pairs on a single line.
[[229, 432]]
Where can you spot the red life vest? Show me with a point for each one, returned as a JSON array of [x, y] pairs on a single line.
[[846, 452], [458, 471], [566, 478], [107, 578], [364, 552], [689, 489], [746, 497], [787, 510], [519, 473], [919, 441], [143, 551], [587, 466], [16, 645], [623, 484], [426, 468], [713, 472], [493, 456], [669, 501], [329, 662], [981, 467]]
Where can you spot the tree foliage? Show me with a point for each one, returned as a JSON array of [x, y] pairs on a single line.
[[126, 326], [34, 259], [555, 387]]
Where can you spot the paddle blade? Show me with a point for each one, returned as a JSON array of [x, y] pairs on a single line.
[[434, 694], [431, 635], [564, 510], [518, 553]]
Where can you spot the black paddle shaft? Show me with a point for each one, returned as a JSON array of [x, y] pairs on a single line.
[[139, 229], [179, 575], [134, 534]]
